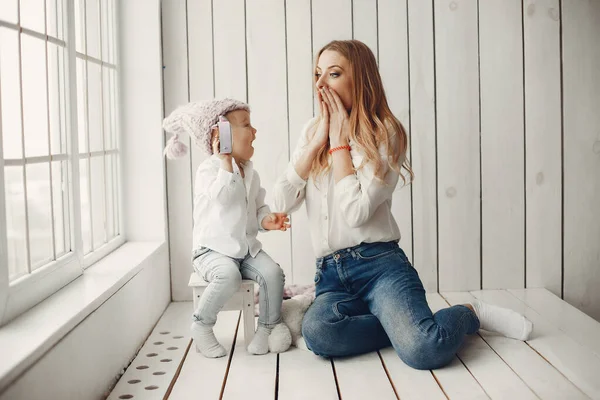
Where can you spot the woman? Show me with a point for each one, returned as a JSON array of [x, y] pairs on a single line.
[[345, 167]]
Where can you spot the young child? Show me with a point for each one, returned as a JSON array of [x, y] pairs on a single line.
[[229, 210]]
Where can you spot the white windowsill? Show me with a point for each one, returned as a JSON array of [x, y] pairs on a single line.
[[27, 338]]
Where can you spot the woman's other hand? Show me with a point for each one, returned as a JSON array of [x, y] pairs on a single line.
[[321, 135]]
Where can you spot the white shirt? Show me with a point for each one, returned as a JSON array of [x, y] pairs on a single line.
[[357, 209], [228, 209]]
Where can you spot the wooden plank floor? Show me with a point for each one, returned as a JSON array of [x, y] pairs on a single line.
[[561, 361]]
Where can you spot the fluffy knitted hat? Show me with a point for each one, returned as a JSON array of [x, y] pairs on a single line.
[[197, 119]]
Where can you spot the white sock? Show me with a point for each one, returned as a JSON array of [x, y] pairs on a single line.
[[260, 343], [206, 342], [502, 320]]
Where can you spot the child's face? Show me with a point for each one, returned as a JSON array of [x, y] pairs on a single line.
[[334, 71], [243, 134]]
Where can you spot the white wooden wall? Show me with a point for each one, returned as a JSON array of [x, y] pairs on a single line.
[[502, 101]]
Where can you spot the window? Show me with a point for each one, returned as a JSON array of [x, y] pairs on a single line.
[[59, 159]]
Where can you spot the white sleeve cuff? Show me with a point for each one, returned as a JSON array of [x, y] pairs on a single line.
[[294, 179], [346, 183]]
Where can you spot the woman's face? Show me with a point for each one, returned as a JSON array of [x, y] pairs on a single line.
[[334, 71], [243, 134]]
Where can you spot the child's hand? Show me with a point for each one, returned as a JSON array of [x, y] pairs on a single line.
[[276, 221]]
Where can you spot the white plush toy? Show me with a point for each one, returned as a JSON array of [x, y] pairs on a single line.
[[292, 313], [280, 339]]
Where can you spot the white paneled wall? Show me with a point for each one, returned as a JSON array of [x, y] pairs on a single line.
[[581, 153], [423, 140], [458, 144], [543, 165], [501, 99], [502, 153]]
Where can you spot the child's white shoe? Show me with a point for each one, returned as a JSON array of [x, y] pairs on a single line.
[[280, 338]]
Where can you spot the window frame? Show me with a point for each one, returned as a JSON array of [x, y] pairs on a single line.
[[25, 292]]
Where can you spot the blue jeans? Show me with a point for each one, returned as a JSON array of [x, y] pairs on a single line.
[[225, 275], [368, 297]]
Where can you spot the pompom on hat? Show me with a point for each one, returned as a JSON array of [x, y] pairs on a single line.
[[197, 119]]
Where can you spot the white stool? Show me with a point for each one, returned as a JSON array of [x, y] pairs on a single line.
[[242, 300]]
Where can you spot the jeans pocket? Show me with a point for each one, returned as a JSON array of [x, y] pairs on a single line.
[[200, 263], [199, 252], [372, 254], [318, 276]]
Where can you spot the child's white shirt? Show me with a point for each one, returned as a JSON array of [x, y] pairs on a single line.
[[228, 209]]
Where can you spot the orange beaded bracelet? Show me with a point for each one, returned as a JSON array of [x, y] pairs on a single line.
[[339, 148]]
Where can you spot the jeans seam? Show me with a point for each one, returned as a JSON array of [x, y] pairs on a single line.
[[209, 300], [414, 320], [265, 291], [460, 322], [413, 316], [211, 294], [443, 333]]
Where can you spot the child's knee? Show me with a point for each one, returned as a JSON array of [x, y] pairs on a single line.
[[228, 273], [272, 276]]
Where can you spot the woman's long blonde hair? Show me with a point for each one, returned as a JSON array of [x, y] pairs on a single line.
[[371, 120]]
